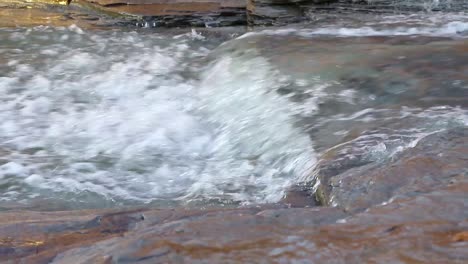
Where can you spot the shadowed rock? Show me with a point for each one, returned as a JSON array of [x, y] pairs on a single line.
[[218, 13], [201, 13], [278, 12]]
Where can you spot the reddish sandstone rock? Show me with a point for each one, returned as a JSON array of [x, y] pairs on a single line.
[[424, 228]]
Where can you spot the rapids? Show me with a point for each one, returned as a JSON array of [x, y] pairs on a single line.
[[96, 119]]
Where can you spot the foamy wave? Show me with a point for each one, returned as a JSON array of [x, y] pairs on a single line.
[[126, 126], [450, 29], [456, 28]]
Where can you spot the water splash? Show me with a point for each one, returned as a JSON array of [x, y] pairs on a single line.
[[128, 127]]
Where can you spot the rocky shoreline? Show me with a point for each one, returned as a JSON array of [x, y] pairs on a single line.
[[426, 227], [409, 209], [413, 209], [224, 13]]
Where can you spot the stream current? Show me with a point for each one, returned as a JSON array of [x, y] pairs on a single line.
[[94, 118]]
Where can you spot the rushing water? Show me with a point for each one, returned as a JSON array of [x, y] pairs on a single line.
[[109, 118]]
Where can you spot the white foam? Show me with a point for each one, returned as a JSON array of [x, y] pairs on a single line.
[[255, 127], [431, 25], [13, 169], [449, 29], [126, 126]]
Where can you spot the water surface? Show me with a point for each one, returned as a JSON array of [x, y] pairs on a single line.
[[104, 118]]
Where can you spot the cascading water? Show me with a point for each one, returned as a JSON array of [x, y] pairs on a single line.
[[425, 5], [109, 118]]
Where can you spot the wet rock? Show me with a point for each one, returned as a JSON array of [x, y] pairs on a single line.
[[415, 5], [148, 13], [219, 13], [193, 229], [384, 6], [282, 2], [261, 14], [175, 13], [276, 12], [398, 71], [362, 238], [427, 227], [299, 196], [362, 96], [435, 161], [34, 235], [460, 237], [41, 13]]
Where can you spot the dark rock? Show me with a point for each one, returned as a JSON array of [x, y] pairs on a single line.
[[278, 2], [299, 196], [267, 13], [274, 15], [178, 13], [436, 161]]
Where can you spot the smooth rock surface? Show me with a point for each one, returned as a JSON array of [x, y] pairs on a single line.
[[174, 13], [422, 228], [275, 12], [385, 6], [436, 161], [395, 172]]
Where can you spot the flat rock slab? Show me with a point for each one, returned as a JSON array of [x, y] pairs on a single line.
[[147, 13], [208, 13], [30, 17], [430, 227], [183, 13], [220, 3], [217, 13], [168, 7]]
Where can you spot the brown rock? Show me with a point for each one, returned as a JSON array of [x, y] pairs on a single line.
[[299, 196], [157, 13], [461, 237], [426, 228]]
